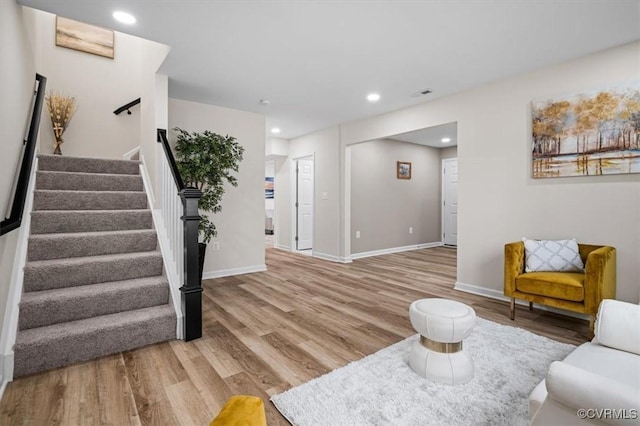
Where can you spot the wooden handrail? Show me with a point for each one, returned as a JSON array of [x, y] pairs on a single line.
[[20, 196]]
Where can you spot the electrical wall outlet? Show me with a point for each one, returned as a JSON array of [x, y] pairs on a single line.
[[357, 234], [411, 229], [216, 245]]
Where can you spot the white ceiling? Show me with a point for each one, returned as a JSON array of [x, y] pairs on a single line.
[[317, 60], [431, 136]]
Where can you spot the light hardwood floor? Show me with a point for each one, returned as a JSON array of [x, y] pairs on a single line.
[[263, 333]]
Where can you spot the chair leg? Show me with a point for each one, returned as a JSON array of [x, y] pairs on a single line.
[[592, 319], [531, 306], [513, 308]]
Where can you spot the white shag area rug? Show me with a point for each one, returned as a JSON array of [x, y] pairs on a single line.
[[381, 389]]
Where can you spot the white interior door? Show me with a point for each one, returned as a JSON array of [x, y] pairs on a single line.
[[304, 204], [450, 201]]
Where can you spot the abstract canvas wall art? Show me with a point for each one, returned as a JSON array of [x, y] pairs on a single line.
[[84, 37], [593, 133]]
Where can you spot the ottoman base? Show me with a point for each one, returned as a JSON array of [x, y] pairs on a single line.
[[447, 368]]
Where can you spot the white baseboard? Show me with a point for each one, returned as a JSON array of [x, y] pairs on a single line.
[[3, 386], [332, 258], [394, 250], [282, 247], [207, 275], [6, 371], [131, 155], [498, 295]]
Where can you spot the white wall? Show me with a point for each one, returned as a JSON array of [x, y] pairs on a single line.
[[383, 207], [449, 152], [240, 225], [100, 85], [324, 145], [498, 200], [276, 147], [282, 188], [16, 88]]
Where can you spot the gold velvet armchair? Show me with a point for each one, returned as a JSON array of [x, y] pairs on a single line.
[[574, 291]]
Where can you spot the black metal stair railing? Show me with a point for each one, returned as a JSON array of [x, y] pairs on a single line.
[[14, 220], [126, 107]]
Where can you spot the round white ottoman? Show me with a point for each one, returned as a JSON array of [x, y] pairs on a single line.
[[443, 324]]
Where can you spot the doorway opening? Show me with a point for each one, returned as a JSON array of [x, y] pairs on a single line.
[[303, 204], [389, 212], [450, 202]]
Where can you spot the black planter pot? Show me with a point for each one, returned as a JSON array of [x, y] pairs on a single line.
[[202, 250]]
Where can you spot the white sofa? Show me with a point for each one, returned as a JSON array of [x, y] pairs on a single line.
[[599, 382]]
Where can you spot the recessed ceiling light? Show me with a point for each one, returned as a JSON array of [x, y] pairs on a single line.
[[275, 130], [373, 97], [265, 101], [124, 17], [445, 140]]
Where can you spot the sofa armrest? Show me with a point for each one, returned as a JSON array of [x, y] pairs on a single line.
[[617, 325], [577, 389], [513, 265], [600, 280]]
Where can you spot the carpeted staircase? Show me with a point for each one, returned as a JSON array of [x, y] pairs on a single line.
[[93, 281]]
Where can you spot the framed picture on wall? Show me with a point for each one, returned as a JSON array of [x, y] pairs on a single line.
[[268, 187], [403, 170]]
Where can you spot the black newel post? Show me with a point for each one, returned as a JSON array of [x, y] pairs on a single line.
[[192, 287]]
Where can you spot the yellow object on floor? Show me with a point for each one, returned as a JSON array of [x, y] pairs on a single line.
[[241, 410]]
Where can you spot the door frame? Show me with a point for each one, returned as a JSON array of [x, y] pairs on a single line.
[[294, 198], [442, 192]]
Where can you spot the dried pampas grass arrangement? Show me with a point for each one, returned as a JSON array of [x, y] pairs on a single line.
[[61, 110]]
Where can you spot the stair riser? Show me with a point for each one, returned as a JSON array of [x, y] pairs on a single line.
[[88, 182], [69, 200], [54, 311], [46, 222], [87, 165], [55, 247], [70, 349], [46, 277]]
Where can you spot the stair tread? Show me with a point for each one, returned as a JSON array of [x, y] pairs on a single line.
[[61, 245], [55, 199], [89, 192], [96, 159], [91, 259], [63, 172], [46, 307], [55, 332], [90, 212], [82, 181], [64, 235], [60, 221], [88, 165], [98, 288]]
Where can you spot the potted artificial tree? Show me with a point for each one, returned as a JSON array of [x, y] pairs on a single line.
[[205, 161]]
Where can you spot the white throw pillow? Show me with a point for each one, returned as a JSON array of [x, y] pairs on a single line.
[[552, 256]]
